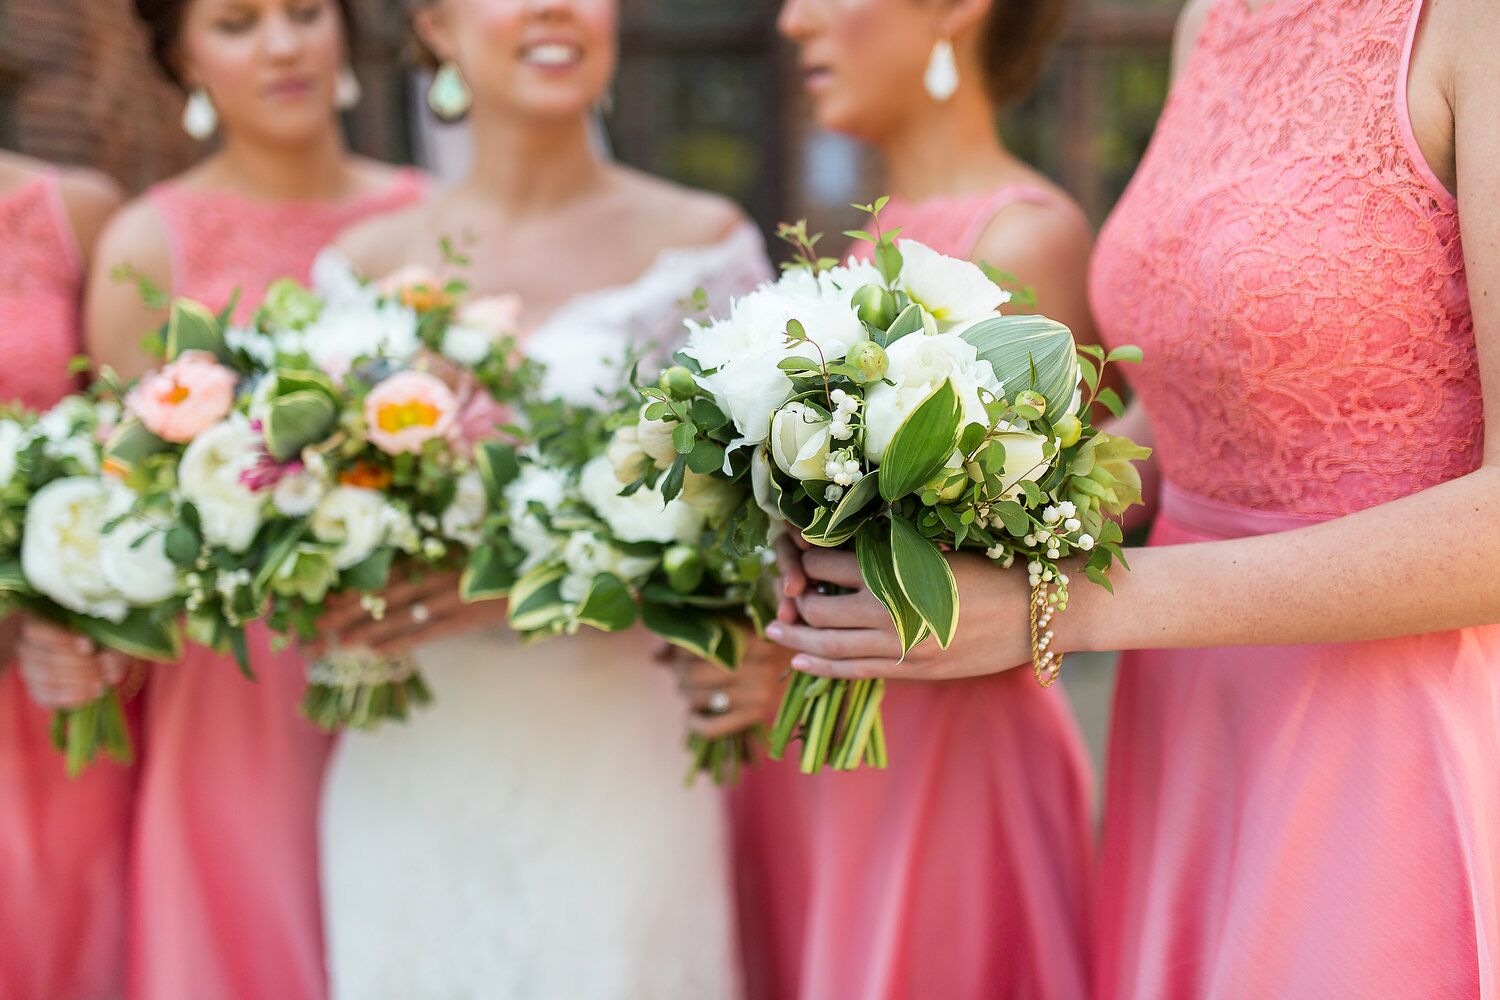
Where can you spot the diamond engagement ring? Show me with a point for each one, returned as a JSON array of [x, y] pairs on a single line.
[[718, 703], [420, 614]]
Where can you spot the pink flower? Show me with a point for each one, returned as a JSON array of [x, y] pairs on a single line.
[[479, 415], [407, 410], [185, 398], [497, 315]]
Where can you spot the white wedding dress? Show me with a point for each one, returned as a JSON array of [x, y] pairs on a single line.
[[529, 834]]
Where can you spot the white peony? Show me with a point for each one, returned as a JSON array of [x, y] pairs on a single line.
[[209, 477], [953, 290], [588, 555], [261, 347], [345, 332], [353, 519], [298, 494], [641, 517], [133, 557], [918, 365], [464, 516], [336, 281], [12, 440], [467, 345], [800, 441], [545, 487], [62, 546]]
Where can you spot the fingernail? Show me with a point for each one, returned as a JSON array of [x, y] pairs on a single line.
[[774, 630], [801, 662]]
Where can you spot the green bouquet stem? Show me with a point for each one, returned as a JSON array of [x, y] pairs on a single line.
[[360, 689], [723, 758], [82, 733], [838, 722]]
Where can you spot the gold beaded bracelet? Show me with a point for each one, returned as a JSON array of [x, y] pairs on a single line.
[[1046, 664]]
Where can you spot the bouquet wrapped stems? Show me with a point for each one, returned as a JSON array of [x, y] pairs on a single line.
[[721, 758], [837, 720], [360, 689], [82, 732]]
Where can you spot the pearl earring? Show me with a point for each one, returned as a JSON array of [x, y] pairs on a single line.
[[199, 118], [449, 96], [347, 91], [941, 78]]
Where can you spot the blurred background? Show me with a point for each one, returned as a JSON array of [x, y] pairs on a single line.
[[706, 94]]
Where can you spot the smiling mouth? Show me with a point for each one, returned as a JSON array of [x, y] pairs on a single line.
[[552, 55]]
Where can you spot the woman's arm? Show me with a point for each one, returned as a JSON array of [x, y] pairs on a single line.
[[1426, 563], [115, 319]]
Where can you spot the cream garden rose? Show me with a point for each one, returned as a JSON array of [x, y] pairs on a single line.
[[63, 543], [641, 517], [353, 519], [209, 476], [800, 441], [918, 366]]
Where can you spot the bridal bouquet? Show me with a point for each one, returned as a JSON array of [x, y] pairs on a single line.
[[71, 553], [348, 427], [890, 407], [605, 549]]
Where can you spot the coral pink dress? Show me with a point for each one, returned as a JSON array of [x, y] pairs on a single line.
[[62, 841], [224, 881], [963, 871], [1302, 822]]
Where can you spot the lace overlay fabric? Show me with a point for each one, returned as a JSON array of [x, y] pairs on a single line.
[[1294, 271], [41, 279], [222, 243]]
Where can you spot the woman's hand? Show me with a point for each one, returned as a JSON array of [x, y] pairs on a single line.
[[852, 635], [416, 613], [63, 669], [747, 696]]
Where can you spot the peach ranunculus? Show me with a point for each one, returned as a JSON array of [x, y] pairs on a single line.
[[185, 398], [407, 410], [416, 287]]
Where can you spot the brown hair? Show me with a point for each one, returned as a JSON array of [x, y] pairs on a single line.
[[163, 21], [1016, 41]]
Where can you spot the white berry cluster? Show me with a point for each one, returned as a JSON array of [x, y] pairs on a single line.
[[845, 408]]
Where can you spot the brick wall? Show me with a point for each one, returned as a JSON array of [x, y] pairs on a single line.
[[78, 87]]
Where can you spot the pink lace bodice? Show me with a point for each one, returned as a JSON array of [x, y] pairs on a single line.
[[222, 242], [41, 280], [1293, 270]]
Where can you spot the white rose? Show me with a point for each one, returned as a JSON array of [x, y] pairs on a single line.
[[209, 477], [298, 494], [12, 438], [587, 555], [352, 518], [61, 548], [133, 557], [655, 437], [953, 290], [800, 441], [467, 345], [1024, 459], [918, 365], [545, 487], [641, 517], [463, 517]]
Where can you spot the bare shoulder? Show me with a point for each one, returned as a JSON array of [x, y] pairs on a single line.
[[380, 245], [1046, 246], [1189, 28], [376, 175], [90, 199], [134, 236], [681, 216]]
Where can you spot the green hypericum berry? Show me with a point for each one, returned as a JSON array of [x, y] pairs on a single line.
[[684, 568], [875, 306], [870, 360], [678, 383], [1069, 429]]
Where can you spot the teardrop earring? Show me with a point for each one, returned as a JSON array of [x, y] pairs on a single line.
[[347, 91], [941, 78], [199, 118], [449, 96]]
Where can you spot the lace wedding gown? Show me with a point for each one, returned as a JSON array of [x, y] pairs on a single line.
[[529, 835]]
